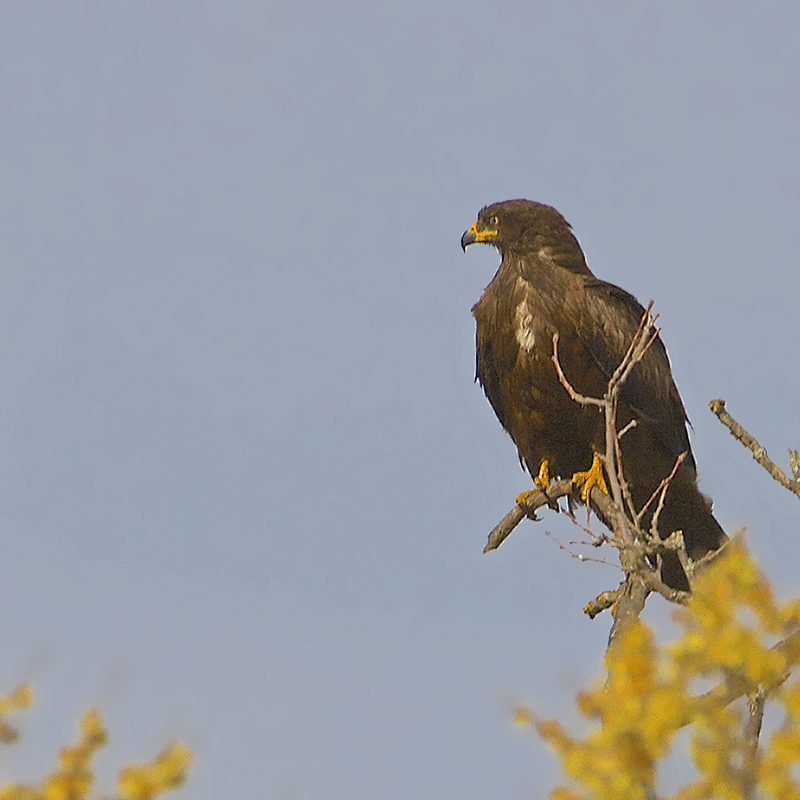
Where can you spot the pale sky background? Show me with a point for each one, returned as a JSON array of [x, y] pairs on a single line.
[[246, 476]]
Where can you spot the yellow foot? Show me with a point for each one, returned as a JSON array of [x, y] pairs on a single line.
[[542, 481], [594, 477]]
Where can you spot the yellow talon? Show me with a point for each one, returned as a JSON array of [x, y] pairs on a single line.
[[594, 477], [542, 481]]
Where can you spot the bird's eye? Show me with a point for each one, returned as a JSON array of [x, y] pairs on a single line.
[[494, 222]]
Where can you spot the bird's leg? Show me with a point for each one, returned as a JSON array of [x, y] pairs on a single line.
[[542, 481], [594, 477]]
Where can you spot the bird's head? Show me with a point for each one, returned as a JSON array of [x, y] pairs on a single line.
[[519, 226]]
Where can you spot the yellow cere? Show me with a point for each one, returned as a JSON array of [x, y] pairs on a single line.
[[481, 236]]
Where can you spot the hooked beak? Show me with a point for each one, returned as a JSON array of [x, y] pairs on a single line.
[[472, 235]]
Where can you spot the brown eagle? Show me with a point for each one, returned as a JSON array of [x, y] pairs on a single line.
[[543, 287]]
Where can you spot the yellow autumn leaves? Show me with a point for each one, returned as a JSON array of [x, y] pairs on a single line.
[[738, 649], [737, 638], [73, 777], [166, 771], [20, 699]]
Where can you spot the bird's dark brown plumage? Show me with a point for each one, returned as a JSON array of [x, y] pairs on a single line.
[[543, 287]]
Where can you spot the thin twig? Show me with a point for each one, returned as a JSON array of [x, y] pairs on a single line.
[[624, 486], [639, 346], [613, 455], [647, 318], [661, 493], [598, 539], [759, 453], [692, 568], [752, 730], [632, 424], [576, 396], [580, 556]]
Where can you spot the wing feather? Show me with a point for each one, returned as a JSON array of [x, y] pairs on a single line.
[[614, 317]]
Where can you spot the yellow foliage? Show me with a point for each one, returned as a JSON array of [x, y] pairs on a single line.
[[735, 633], [73, 779], [166, 771], [19, 699]]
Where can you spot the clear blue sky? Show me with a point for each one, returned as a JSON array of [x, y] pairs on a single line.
[[246, 476]]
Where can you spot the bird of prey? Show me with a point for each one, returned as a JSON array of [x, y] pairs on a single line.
[[543, 287]]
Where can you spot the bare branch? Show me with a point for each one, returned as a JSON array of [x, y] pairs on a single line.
[[504, 528], [629, 604], [759, 453], [603, 601], [536, 499], [794, 463]]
